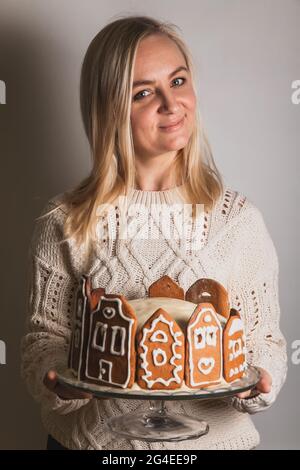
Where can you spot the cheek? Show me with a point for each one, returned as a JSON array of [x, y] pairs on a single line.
[[142, 121], [191, 105], [191, 101]]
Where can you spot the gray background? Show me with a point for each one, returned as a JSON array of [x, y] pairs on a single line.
[[247, 55]]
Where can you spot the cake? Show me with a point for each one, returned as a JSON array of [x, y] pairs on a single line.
[[165, 341]]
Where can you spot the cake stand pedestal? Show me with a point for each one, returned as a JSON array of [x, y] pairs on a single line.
[[158, 423]]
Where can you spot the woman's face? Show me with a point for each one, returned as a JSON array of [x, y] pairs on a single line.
[[169, 99]]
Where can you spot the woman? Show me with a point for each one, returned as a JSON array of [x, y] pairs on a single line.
[[139, 108]]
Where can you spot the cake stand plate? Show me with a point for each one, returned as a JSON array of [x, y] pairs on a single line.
[[157, 423]]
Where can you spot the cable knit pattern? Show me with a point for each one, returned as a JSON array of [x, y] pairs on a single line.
[[230, 244]]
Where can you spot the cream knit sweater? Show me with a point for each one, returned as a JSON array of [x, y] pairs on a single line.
[[231, 244]]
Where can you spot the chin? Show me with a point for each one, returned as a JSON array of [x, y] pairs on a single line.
[[177, 144]]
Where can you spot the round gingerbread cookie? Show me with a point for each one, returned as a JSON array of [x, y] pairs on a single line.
[[211, 291]]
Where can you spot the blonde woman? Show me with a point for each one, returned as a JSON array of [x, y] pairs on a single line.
[[148, 146]]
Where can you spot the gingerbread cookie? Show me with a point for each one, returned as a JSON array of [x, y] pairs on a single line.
[[160, 350], [203, 363], [78, 341], [166, 287], [211, 291], [234, 347], [106, 344]]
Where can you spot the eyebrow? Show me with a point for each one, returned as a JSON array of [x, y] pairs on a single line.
[[151, 82]]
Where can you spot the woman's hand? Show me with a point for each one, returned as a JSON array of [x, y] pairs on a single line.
[[63, 392], [66, 393], [263, 386]]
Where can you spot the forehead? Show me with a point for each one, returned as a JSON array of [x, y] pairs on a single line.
[[157, 53]]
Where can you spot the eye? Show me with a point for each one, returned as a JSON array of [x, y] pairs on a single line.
[[139, 95], [180, 78]]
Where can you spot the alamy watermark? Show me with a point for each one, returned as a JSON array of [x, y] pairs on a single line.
[[2, 92], [158, 221], [295, 97], [295, 358], [2, 352]]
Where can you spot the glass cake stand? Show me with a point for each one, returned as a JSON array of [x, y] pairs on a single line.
[[157, 423]]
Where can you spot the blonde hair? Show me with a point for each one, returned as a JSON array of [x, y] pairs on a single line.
[[105, 101]]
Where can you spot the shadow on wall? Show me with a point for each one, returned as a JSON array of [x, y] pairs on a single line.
[[35, 136]]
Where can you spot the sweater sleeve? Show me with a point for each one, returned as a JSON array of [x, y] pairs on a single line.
[[253, 291], [51, 290]]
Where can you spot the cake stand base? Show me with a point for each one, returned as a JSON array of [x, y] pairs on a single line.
[[157, 424]]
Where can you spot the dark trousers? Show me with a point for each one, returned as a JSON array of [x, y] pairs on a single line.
[[53, 444]]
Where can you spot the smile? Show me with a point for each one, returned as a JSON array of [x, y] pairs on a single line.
[[174, 127]]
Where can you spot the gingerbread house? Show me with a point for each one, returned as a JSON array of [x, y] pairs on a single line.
[[160, 352], [103, 343], [234, 347], [203, 347]]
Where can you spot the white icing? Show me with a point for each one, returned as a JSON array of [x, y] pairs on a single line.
[[144, 365], [211, 335], [103, 370], [207, 334], [199, 337], [236, 325], [76, 365], [236, 348], [100, 346], [109, 312], [115, 331], [156, 353], [206, 365], [130, 321], [207, 318], [191, 343], [79, 308], [162, 339]]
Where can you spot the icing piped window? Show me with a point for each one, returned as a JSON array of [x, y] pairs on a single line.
[[159, 357], [118, 341], [236, 348], [205, 336], [159, 336], [79, 308], [99, 337]]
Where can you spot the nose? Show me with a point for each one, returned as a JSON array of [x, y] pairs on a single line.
[[168, 102]]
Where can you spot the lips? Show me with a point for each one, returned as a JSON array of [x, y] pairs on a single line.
[[173, 124]]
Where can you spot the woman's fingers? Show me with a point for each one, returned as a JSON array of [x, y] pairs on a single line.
[[244, 394], [66, 393], [263, 386], [265, 383], [50, 380]]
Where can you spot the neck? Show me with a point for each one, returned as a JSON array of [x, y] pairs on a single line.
[[156, 174]]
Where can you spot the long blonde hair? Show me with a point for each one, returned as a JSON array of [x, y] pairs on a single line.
[[105, 100]]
